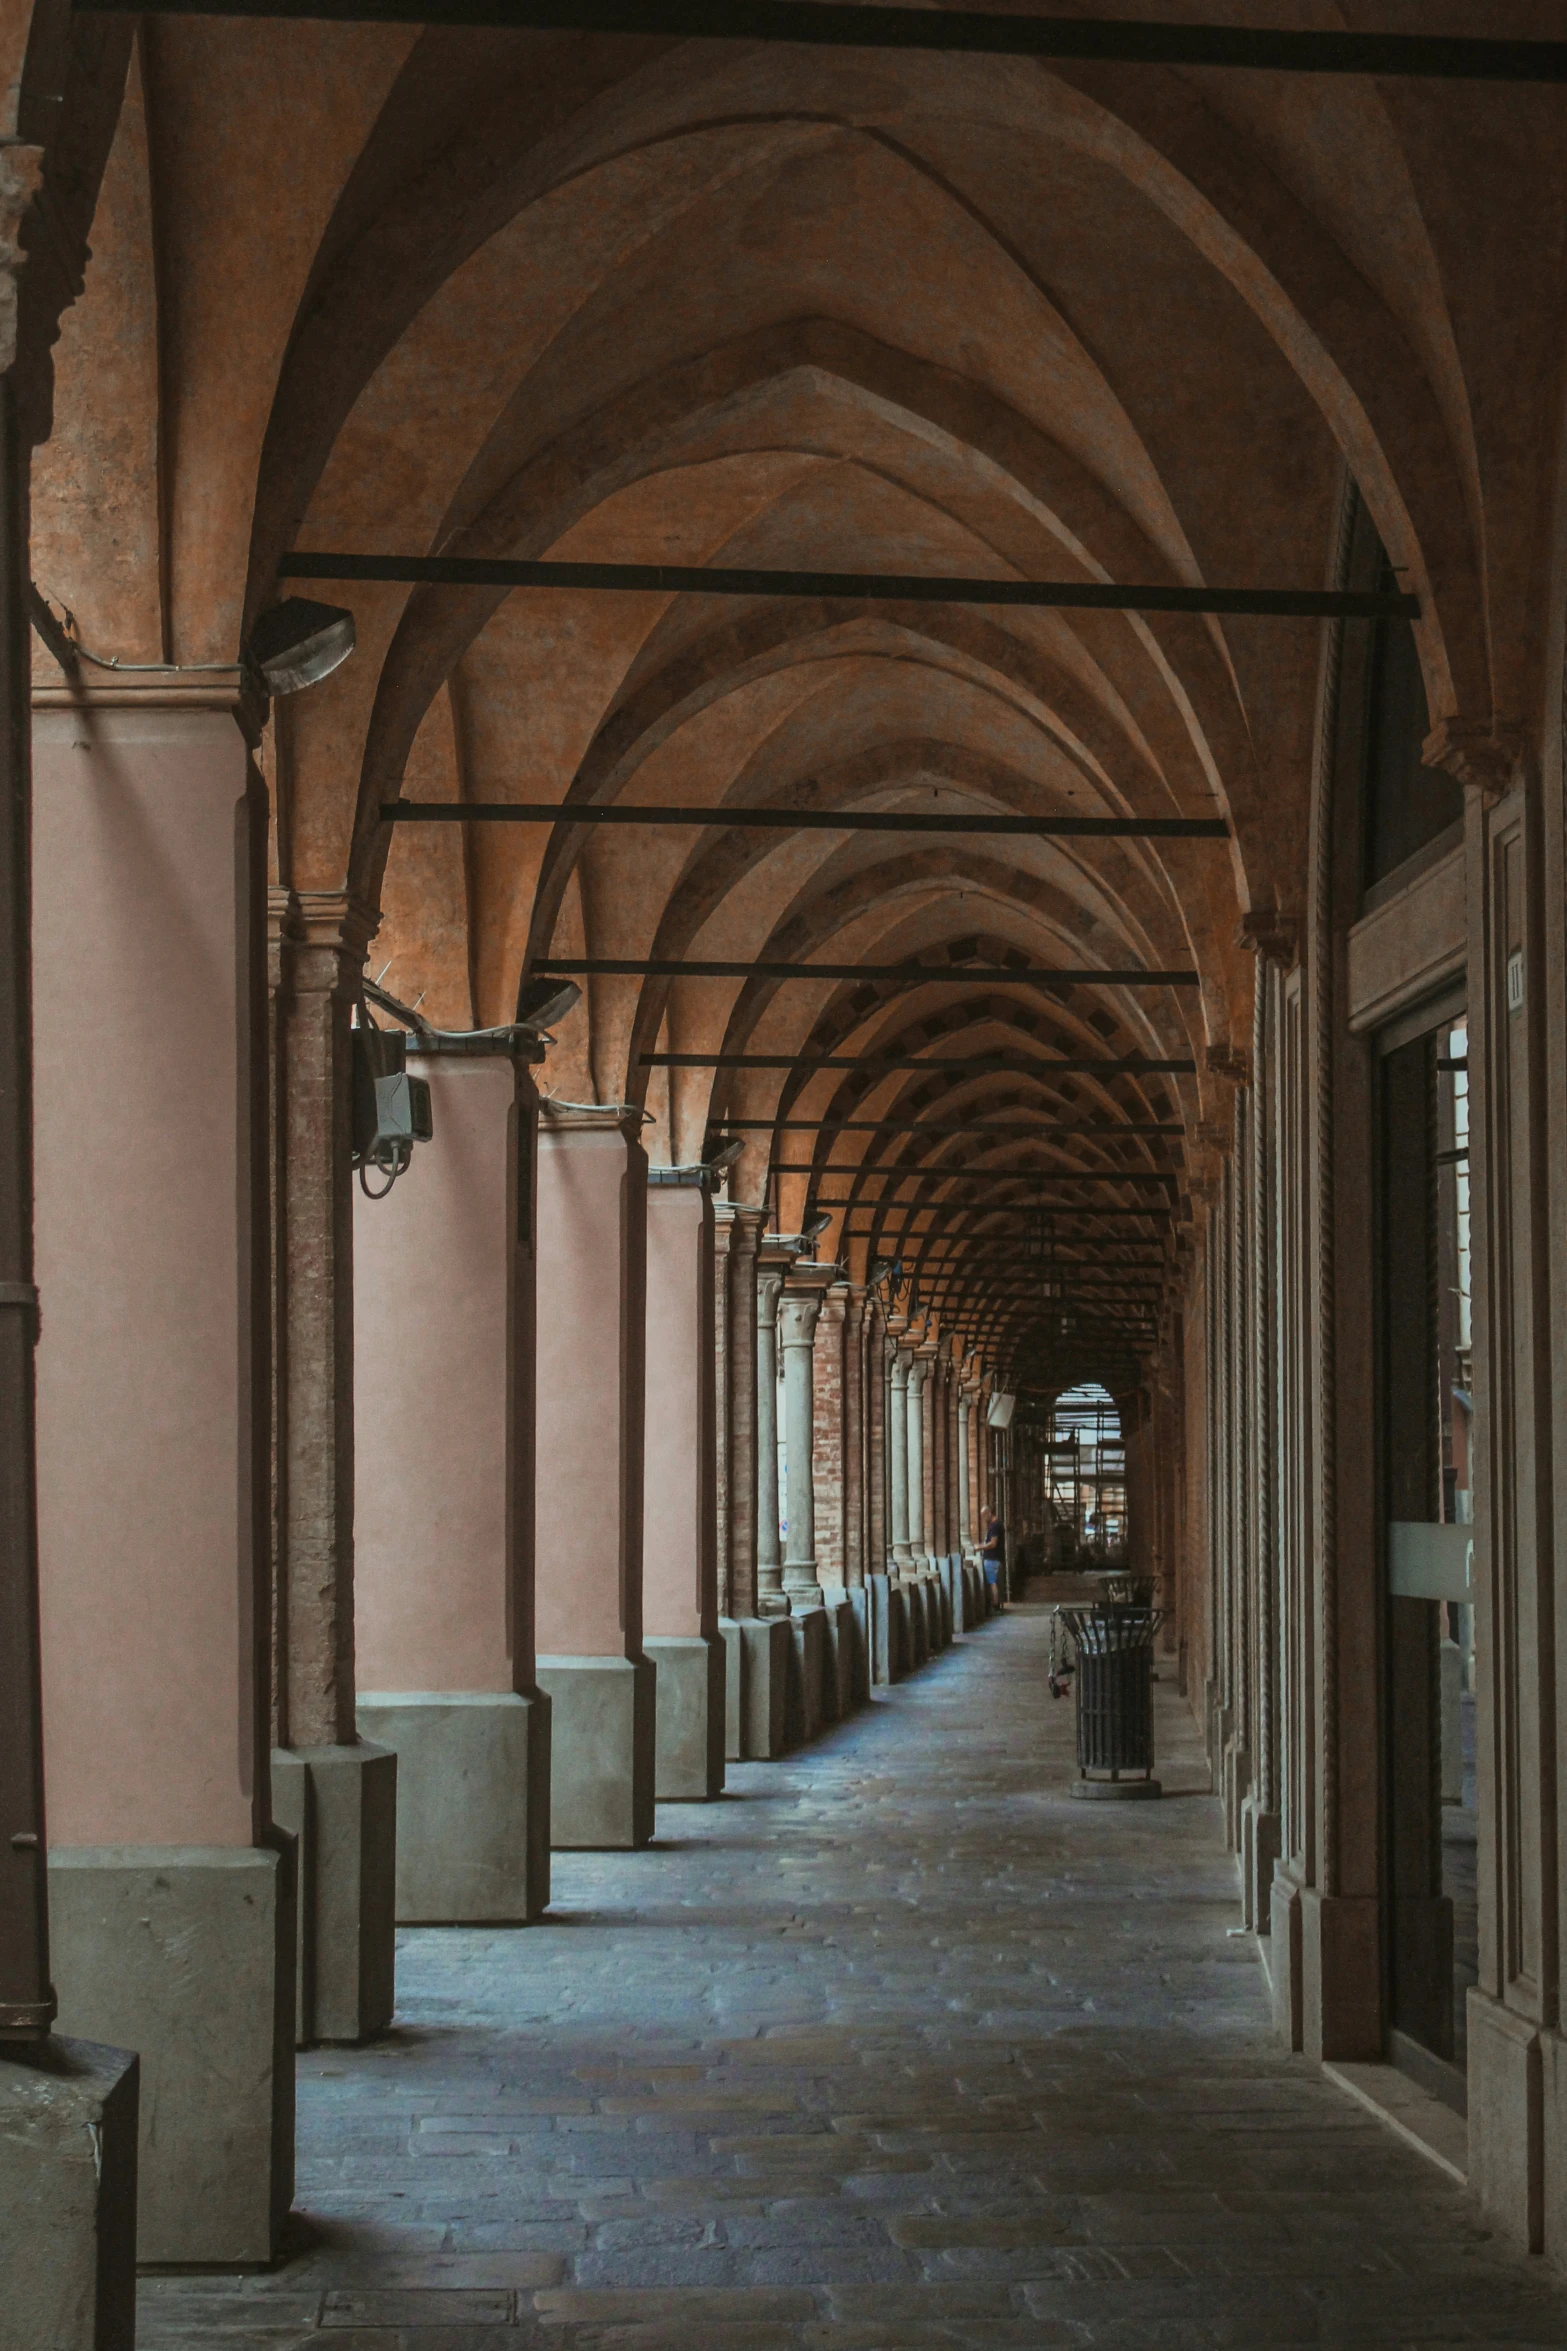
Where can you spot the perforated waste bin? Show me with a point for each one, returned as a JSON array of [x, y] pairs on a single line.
[[1114, 1680]]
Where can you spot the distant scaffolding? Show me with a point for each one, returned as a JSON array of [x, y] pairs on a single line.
[[1085, 1479]]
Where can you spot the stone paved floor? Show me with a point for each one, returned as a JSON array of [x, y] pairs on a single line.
[[893, 2047]]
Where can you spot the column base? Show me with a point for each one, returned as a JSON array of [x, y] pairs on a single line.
[[734, 1686], [900, 1615], [1341, 1976], [1553, 2106], [879, 1625], [68, 2130], [860, 1601], [807, 1674], [340, 1806], [768, 1646], [603, 1751], [1507, 2120], [185, 1953], [1284, 1929], [838, 1662], [473, 1784], [689, 1749], [1260, 1844]]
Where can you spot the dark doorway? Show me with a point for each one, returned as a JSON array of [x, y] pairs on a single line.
[[1424, 1413]]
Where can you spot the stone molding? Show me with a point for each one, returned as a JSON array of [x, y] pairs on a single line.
[[1485, 755]]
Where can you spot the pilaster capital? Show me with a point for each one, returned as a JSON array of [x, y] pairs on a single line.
[[1485, 755], [21, 169], [1271, 935], [307, 921], [1228, 1062]]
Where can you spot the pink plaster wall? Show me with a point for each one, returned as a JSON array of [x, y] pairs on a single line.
[[430, 1400], [148, 975], [592, 1194], [679, 1542]]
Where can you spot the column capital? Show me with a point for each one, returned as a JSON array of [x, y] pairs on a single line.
[[797, 1316]]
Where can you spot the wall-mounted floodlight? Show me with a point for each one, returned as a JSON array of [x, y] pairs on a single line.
[[542, 1002], [814, 1225], [300, 642], [725, 1155]]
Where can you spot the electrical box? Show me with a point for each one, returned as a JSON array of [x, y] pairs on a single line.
[[391, 1109]]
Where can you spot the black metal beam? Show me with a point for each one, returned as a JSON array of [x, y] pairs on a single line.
[[919, 1126], [860, 587], [807, 820], [1032, 1200], [803, 24], [1132, 1065], [977, 1175], [567, 967]]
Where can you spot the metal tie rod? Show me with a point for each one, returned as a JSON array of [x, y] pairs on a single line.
[[566, 967], [859, 587], [806, 820], [810, 1062], [803, 24], [1019, 1129], [978, 1175]]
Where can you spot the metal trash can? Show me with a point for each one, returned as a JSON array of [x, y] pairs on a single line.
[[1114, 1698]]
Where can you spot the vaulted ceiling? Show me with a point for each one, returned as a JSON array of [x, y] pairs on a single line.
[[634, 299]]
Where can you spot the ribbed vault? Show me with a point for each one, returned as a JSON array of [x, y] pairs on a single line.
[[635, 299]]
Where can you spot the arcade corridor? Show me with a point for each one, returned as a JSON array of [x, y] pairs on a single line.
[[783, 832], [894, 2046]]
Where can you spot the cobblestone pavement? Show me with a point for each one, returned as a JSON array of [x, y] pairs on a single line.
[[894, 2046]]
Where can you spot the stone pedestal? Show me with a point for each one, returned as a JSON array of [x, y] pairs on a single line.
[[838, 1677], [808, 1668], [679, 1516], [68, 2132], [885, 1662], [473, 1823], [769, 1664], [734, 1687], [186, 1954], [590, 1493], [443, 1374], [603, 1750], [173, 1915], [692, 1679], [1507, 2118], [339, 1804]]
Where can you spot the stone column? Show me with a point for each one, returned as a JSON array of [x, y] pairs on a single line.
[[679, 1530], [900, 1557], [723, 1235], [918, 1378], [172, 1898], [854, 1478], [744, 1227], [829, 1440], [336, 1792], [798, 1310], [939, 1541], [592, 1315], [443, 1389], [965, 1473], [68, 2110], [770, 1600], [873, 1350]]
